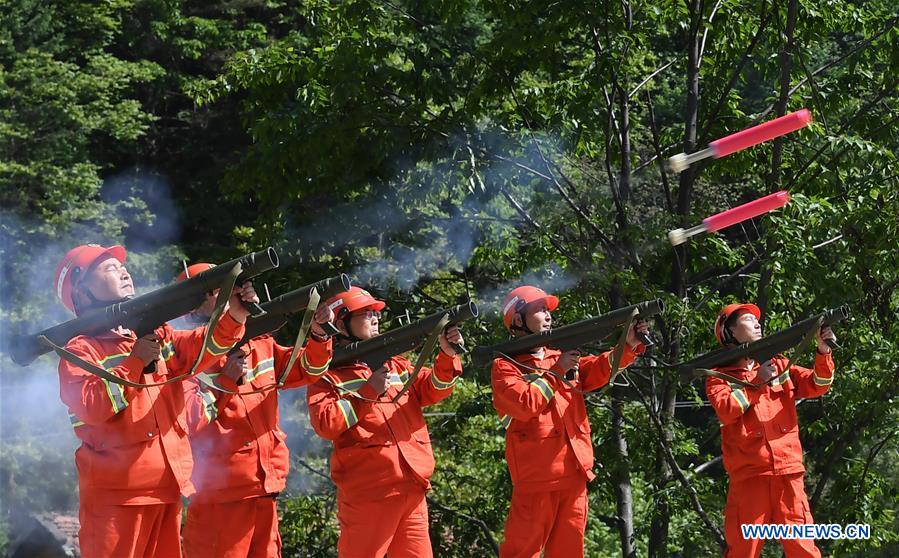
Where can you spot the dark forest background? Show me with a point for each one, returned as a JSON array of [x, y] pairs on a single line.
[[442, 150]]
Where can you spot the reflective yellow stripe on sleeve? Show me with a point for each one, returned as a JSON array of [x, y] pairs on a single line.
[[215, 349], [544, 388], [349, 414], [209, 408], [440, 384], [395, 379], [740, 397], [116, 393], [819, 381], [351, 386], [167, 351], [314, 370], [76, 422], [782, 379], [112, 361], [263, 367]]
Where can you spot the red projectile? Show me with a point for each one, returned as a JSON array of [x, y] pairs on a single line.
[[732, 216], [743, 139]]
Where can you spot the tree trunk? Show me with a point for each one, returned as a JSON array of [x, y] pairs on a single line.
[[622, 474], [621, 479], [661, 517], [786, 65], [785, 58], [691, 120], [658, 537]]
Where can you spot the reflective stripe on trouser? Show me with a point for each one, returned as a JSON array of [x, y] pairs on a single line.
[[768, 499], [396, 525], [242, 529], [550, 521], [129, 531]]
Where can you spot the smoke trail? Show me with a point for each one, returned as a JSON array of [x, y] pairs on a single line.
[[415, 226], [36, 437], [144, 199], [384, 244], [551, 278]]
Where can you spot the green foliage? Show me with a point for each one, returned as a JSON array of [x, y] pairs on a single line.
[[309, 527], [527, 112], [438, 151]]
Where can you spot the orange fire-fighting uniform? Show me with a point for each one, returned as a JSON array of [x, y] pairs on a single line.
[[762, 453], [241, 453], [382, 459], [548, 450], [134, 462]]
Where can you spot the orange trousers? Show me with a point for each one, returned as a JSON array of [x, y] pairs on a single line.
[[242, 529], [143, 531], [396, 525], [553, 522], [769, 499]]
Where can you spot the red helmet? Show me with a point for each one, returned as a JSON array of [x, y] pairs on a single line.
[[522, 296], [727, 312], [194, 270], [354, 299], [74, 265]]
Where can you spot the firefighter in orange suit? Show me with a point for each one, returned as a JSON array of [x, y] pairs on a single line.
[[548, 446], [241, 458], [134, 463], [760, 434], [382, 457]]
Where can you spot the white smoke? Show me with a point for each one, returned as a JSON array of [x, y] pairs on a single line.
[[36, 437], [549, 277]]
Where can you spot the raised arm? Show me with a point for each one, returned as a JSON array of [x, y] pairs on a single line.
[[514, 396], [730, 401]]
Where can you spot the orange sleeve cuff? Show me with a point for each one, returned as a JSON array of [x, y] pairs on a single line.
[[317, 356], [630, 354], [134, 368], [824, 367], [447, 368], [226, 382], [228, 330], [368, 392]]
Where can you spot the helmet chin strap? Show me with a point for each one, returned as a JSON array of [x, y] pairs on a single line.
[[727, 335], [524, 325], [349, 332], [95, 302]]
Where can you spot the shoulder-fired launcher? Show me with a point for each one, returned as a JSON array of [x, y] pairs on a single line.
[[144, 313], [571, 336], [376, 351], [768, 347], [279, 308]]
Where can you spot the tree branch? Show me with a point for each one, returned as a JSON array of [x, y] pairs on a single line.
[[663, 176], [702, 467], [539, 228], [860, 46], [479, 523], [705, 31], [679, 473], [735, 75], [871, 455], [863, 111], [652, 75], [852, 433]]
